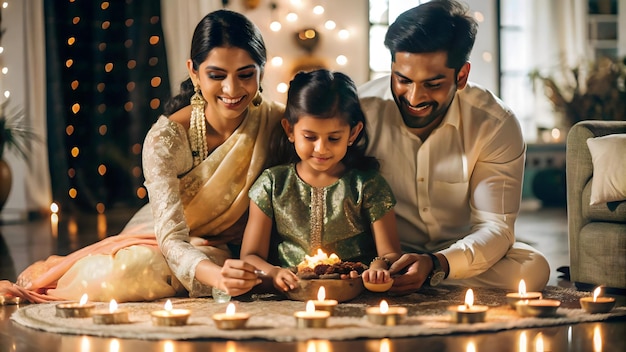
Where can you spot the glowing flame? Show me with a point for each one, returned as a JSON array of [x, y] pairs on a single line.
[[168, 306], [230, 309], [112, 306], [319, 258], [596, 293], [469, 298], [83, 299], [321, 294], [384, 306], [310, 307], [522, 288]]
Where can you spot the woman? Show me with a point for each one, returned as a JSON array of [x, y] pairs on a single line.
[[199, 161]]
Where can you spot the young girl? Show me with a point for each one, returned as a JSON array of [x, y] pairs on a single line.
[[329, 196]]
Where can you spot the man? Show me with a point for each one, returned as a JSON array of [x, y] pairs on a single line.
[[453, 154]]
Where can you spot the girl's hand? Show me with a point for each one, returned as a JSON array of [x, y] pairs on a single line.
[[376, 276], [352, 275], [284, 279], [238, 277]]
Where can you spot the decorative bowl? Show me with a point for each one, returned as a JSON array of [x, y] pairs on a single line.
[[338, 289], [384, 287]]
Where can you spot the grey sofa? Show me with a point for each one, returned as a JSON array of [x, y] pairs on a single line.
[[597, 233]]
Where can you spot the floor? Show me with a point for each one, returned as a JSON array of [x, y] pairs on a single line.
[[23, 242]]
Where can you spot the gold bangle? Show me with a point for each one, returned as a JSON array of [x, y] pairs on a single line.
[[387, 261]]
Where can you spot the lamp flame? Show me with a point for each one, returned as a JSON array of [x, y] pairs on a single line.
[[83, 299], [469, 298], [522, 288], [230, 309], [596, 293], [321, 294], [384, 306], [168, 306], [112, 306], [310, 307]]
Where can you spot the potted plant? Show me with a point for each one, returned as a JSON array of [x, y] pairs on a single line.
[[590, 91], [14, 135]]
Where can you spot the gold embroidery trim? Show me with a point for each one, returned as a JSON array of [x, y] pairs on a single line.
[[317, 217]]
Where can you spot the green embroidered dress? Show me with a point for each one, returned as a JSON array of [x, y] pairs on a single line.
[[336, 218]]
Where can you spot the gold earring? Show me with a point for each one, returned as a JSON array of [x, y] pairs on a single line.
[[258, 99]]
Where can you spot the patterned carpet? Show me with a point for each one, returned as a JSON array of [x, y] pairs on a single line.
[[272, 317]]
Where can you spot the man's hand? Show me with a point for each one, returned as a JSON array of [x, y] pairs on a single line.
[[416, 268]]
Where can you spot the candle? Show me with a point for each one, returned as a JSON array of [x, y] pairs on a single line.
[[597, 303], [111, 315], [324, 304], [385, 315], [468, 313], [231, 319], [513, 298], [311, 318], [537, 307], [170, 316], [82, 309]]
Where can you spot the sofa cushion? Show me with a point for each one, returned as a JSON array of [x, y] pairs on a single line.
[[609, 168]]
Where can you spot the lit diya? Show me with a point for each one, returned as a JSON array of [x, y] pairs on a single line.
[[80, 309], [468, 313], [537, 307], [324, 304], [521, 295], [311, 318], [170, 316], [597, 303], [385, 315], [231, 319], [111, 315], [341, 279]]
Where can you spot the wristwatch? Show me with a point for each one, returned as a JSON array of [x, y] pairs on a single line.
[[437, 275]]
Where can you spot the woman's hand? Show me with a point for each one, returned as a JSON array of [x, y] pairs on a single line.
[[284, 279], [238, 277]]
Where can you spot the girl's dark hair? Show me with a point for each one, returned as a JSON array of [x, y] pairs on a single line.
[[438, 25], [221, 28], [325, 94]]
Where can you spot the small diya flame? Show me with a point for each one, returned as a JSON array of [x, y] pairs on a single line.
[[310, 307], [230, 309], [321, 294], [83, 299], [469, 298], [522, 288], [384, 307], [112, 306], [596, 293], [319, 258]]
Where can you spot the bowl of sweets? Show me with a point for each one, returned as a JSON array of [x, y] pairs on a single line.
[[341, 279]]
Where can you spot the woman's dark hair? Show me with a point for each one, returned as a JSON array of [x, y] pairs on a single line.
[[438, 25], [324, 94], [221, 28]]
